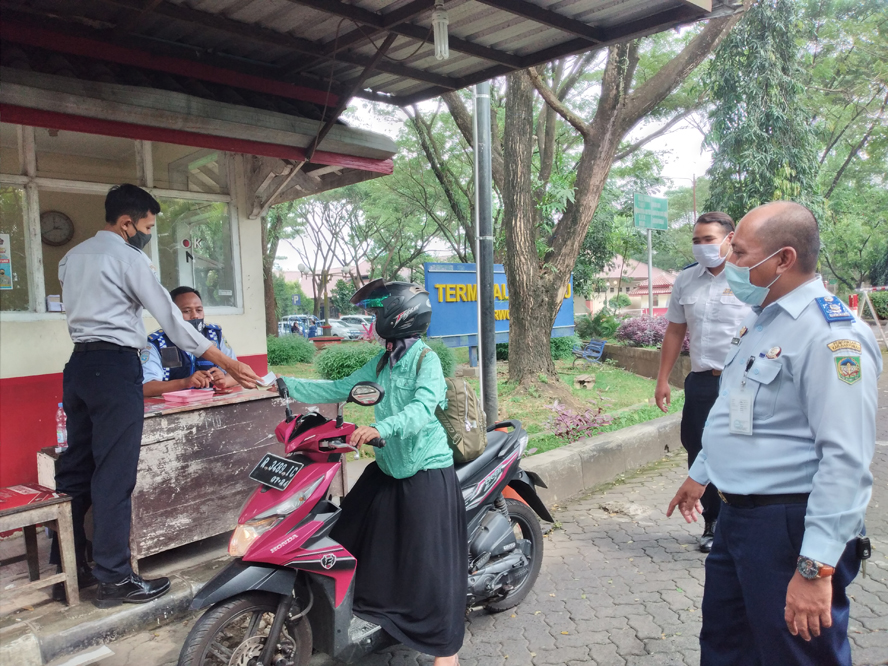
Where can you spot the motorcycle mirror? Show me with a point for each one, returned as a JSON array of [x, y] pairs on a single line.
[[366, 394]]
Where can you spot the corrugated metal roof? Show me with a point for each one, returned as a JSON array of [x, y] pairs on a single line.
[[321, 43]]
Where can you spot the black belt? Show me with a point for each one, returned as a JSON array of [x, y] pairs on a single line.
[[102, 346], [753, 501]]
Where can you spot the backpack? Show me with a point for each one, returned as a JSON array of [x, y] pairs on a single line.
[[464, 419]]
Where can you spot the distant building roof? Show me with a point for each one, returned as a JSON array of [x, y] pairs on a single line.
[[635, 270]]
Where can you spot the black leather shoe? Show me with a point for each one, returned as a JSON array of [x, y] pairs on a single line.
[[708, 537], [85, 579], [131, 590]]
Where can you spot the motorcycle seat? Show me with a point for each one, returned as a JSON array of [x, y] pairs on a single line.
[[496, 441]]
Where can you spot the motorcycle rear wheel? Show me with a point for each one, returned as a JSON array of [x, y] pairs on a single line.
[[526, 526], [235, 630]]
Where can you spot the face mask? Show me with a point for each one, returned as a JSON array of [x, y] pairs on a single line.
[[738, 281], [197, 323], [139, 240], [708, 255]]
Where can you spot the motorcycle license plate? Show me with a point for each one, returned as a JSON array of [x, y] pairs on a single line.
[[275, 472]]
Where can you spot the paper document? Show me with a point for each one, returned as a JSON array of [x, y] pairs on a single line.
[[268, 380]]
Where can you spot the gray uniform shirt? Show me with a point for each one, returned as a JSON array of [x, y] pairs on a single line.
[[811, 370], [106, 282]]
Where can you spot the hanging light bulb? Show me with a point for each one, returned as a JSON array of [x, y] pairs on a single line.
[[439, 26]]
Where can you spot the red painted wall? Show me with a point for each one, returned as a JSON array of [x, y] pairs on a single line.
[[27, 420]]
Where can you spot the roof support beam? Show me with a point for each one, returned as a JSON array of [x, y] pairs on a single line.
[[278, 39], [397, 23], [547, 17]]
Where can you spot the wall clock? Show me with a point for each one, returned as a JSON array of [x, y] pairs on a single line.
[[56, 228]]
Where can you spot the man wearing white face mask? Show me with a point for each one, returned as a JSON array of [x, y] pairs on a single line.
[[789, 444], [703, 306]]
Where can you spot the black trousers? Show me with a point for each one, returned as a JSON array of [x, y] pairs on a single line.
[[105, 409], [753, 559], [701, 390]]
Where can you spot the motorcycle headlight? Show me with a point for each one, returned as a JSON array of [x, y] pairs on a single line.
[[292, 503], [245, 535]]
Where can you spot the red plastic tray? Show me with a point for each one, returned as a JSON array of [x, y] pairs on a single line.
[[188, 395]]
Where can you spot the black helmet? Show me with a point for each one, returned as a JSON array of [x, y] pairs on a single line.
[[402, 309]]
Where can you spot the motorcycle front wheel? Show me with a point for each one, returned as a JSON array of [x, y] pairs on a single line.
[[526, 526], [233, 633]]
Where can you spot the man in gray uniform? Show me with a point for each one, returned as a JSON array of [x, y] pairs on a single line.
[[789, 444], [106, 282], [702, 306]]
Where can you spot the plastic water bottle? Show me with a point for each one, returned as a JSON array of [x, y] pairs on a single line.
[[61, 430]]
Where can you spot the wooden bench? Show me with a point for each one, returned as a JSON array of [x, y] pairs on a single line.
[[28, 505]]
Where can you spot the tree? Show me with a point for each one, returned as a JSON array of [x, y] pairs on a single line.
[[283, 297], [340, 298], [539, 260], [760, 128], [280, 222]]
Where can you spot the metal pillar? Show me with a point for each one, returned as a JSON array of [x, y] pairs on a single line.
[[484, 250], [650, 275]]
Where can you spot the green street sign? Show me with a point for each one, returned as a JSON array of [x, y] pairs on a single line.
[[650, 212]]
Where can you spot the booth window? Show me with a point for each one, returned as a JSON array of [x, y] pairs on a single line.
[[15, 294], [194, 247], [53, 185], [189, 169], [87, 157]]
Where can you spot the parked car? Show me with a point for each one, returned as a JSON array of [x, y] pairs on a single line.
[[345, 330], [357, 320]]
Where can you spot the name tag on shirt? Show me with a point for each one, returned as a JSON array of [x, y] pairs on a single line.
[[741, 413]]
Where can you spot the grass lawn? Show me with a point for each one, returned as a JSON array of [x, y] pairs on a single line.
[[620, 391]]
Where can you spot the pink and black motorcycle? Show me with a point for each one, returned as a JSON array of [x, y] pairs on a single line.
[[290, 590]]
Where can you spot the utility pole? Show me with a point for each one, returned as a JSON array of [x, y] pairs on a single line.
[[484, 250], [694, 189], [650, 275]]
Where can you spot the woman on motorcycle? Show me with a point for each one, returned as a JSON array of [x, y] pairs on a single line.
[[404, 519]]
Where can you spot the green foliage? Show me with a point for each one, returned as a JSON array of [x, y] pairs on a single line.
[[339, 361], [445, 354], [289, 349], [602, 326], [880, 302], [760, 128], [283, 298], [561, 348], [340, 297], [619, 301]]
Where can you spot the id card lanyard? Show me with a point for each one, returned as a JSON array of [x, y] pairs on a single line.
[[741, 406]]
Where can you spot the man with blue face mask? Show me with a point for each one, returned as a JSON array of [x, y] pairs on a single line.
[[789, 444], [703, 306], [107, 283], [166, 367]]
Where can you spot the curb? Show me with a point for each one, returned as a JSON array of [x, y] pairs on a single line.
[[579, 467], [40, 638]]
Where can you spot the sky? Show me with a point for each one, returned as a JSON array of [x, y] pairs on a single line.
[[681, 150]]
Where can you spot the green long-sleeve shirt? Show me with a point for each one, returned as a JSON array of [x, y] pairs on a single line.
[[405, 417]]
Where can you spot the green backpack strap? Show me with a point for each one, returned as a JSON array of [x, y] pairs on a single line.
[[421, 356], [382, 361]]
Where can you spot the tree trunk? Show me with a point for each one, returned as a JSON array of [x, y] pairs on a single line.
[[271, 327]]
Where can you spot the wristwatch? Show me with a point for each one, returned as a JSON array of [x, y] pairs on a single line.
[[811, 569]]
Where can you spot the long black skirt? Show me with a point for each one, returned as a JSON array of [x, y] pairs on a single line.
[[409, 537]]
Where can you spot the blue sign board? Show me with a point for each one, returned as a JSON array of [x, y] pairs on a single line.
[[453, 291], [297, 299]]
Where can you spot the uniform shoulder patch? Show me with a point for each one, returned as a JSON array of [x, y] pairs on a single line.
[[848, 368], [833, 309], [144, 355], [690, 265], [215, 327], [839, 345]]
